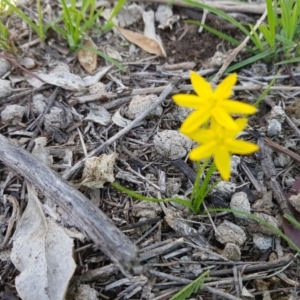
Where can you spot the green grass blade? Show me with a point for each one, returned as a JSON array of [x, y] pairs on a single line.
[[67, 18], [191, 288], [204, 188], [219, 13], [266, 91], [292, 220], [22, 15], [40, 21], [216, 32], [289, 61], [250, 60], [115, 11], [271, 17], [256, 40], [149, 199], [295, 18], [285, 18], [286, 42], [60, 31], [267, 34], [89, 23]]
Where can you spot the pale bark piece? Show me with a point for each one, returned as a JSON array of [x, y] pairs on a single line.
[[85, 292], [60, 76], [149, 30], [89, 218], [43, 253], [5, 88], [87, 58], [129, 15], [147, 44], [99, 114], [98, 170]]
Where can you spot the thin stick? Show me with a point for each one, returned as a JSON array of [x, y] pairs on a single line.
[[88, 217], [230, 6], [232, 55]]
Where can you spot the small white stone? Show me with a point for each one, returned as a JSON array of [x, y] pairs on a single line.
[[162, 14], [172, 144], [262, 228], [295, 201], [181, 113], [234, 163], [13, 114], [195, 269], [38, 104], [172, 187], [5, 88], [224, 189], [274, 127], [259, 69], [277, 113], [228, 232], [4, 66], [289, 181], [282, 160], [140, 103], [232, 252], [146, 209], [262, 242], [239, 201], [97, 87]]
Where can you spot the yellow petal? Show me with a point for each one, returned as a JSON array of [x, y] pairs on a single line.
[[201, 86], [240, 147], [241, 123], [191, 101], [203, 151], [202, 135], [222, 161], [223, 118], [224, 89], [237, 107], [194, 121]]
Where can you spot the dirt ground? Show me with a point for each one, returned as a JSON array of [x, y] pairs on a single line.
[[125, 248]]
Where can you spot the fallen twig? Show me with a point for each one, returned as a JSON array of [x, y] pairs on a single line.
[[88, 217]]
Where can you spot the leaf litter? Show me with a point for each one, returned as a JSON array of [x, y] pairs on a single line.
[[85, 121]]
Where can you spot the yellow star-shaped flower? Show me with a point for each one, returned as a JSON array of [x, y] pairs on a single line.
[[209, 103], [220, 143]]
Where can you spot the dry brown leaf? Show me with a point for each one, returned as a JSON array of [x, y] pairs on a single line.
[[147, 44], [88, 59]]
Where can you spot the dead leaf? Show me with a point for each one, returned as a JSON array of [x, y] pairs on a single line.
[[87, 58], [147, 44], [43, 253]]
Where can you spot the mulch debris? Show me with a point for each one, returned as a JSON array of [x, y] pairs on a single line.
[[62, 122]]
